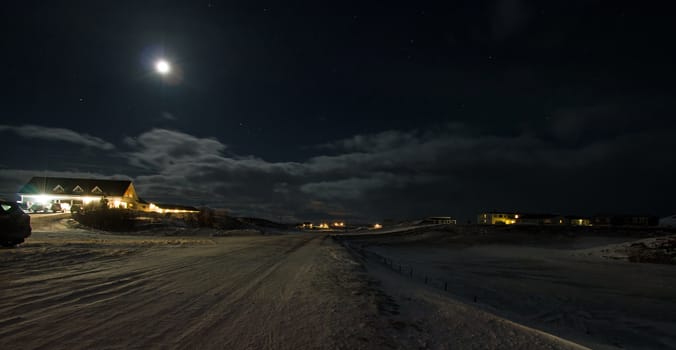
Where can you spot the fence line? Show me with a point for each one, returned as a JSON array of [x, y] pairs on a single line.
[[400, 267]]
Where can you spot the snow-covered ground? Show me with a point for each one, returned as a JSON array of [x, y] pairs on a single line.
[[90, 290], [72, 288], [563, 285]]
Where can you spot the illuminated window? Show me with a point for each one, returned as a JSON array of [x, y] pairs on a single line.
[[78, 189]]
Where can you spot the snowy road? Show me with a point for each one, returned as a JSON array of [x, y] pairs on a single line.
[[83, 290], [250, 292]]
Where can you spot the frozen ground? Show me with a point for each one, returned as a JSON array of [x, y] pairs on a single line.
[[69, 288], [564, 285]]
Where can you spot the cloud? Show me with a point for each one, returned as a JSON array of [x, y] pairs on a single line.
[[575, 163], [377, 142], [449, 169], [351, 188], [58, 134], [160, 148], [168, 116]]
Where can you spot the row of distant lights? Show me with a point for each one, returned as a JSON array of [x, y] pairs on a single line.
[[339, 224]]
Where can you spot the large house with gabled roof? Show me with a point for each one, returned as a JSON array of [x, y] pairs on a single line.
[[75, 191], [70, 191]]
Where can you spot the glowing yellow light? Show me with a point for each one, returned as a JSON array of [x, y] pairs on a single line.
[[516, 216], [377, 226], [42, 199], [87, 200]]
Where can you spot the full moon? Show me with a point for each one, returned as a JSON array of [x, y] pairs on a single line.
[[162, 67]]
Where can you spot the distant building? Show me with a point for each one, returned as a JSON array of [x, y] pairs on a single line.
[[305, 225], [322, 226], [540, 219], [71, 191], [578, 221], [514, 218], [669, 221], [143, 205], [625, 220], [439, 220], [497, 218]]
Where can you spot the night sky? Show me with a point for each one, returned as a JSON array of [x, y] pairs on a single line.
[[294, 110]]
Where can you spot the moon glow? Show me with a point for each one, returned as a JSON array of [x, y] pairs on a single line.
[[162, 67]]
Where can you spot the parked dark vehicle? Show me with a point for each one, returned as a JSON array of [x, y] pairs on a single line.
[[56, 208], [76, 208], [24, 207], [39, 208], [15, 225], [46, 208]]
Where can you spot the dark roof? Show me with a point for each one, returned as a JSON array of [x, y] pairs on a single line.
[[176, 207], [49, 185]]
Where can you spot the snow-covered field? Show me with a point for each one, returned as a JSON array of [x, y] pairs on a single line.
[[71, 288], [573, 287]]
